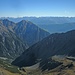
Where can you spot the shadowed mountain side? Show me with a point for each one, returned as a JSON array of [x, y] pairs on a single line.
[[55, 44]]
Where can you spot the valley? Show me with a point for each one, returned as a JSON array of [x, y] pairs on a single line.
[[63, 66], [37, 37], [27, 49]]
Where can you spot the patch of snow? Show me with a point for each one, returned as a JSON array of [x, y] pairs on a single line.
[[14, 44], [3, 58], [3, 39]]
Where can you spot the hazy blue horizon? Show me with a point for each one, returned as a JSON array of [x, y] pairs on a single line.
[[40, 16], [37, 8]]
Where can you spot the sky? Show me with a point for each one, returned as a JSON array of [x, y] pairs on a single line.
[[38, 8]]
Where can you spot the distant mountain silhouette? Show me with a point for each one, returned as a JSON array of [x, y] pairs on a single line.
[[50, 24]]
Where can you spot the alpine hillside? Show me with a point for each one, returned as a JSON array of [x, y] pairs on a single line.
[[10, 45], [55, 44]]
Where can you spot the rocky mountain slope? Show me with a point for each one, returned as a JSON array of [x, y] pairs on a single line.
[[29, 32], [10, 45], [15, 38], [26, 30], [56, 67], [55, 44], [51, 56]]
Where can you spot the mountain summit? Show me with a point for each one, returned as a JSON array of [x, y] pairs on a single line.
[[29, 32], [15, 38]]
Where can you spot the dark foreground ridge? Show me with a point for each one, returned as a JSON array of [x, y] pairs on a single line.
[[55, 44]]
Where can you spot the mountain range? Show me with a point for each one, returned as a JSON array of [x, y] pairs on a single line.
[[55, 44], [15, 38], [27, 49], [29, 32], [50, 24], [43, 20], [10, 45]]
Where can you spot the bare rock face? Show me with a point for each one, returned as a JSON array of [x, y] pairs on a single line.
[[26, 31], [15, 38], [29, 32], [10, 45]]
